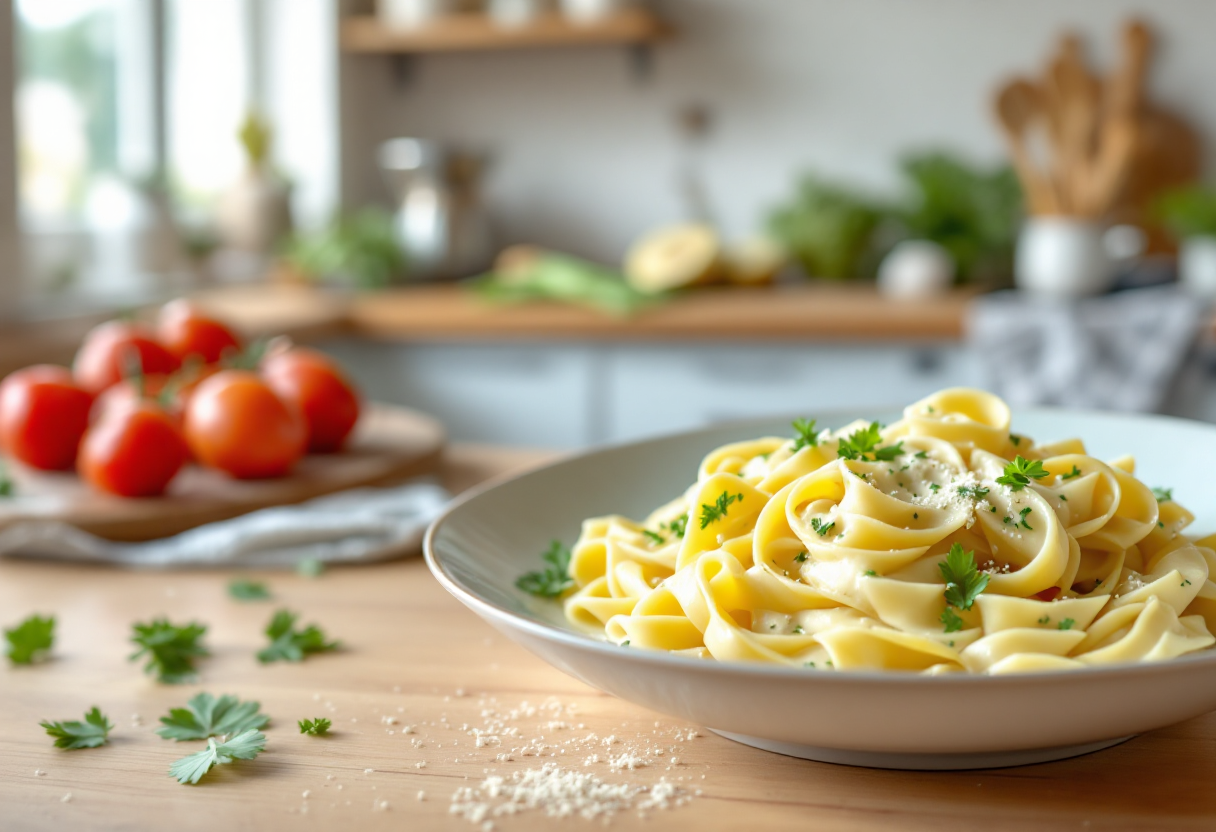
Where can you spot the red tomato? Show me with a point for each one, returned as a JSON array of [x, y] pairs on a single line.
[[104, 358], [236, 423], [134, 450], [43, 415], [128, 392], [319, 388], [185, 331]]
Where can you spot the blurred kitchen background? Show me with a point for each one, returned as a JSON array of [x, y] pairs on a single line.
[[578, 221]]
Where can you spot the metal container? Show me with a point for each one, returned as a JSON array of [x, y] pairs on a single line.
[[440, 221]]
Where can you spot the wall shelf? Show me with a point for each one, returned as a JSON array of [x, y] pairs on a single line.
[[477, 32]]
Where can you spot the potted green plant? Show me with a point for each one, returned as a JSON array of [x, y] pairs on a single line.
[[1190, 214]]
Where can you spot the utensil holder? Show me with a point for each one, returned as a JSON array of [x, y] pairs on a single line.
[[1062, 257]]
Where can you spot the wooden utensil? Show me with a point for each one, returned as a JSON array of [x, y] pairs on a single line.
[[1121, 125], [1018, 108]]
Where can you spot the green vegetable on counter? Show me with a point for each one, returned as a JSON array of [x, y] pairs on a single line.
[[94, 732], [534, 274], [205, 716], [315, 727], [243, 590], [288, 644], [244, 746], [171, 650], [360, 249], [31, 640]]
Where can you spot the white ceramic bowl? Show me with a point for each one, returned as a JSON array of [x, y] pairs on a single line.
[[489, 537]]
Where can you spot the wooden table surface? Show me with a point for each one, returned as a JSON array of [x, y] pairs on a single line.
[[414, 656]]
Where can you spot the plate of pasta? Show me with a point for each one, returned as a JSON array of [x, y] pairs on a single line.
[[946, 587]]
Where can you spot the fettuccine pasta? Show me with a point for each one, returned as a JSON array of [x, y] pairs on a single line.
[[941, 543]]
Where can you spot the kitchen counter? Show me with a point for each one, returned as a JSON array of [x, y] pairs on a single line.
[[414, 656]]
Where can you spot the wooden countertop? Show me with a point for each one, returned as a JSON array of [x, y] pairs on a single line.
[[415, 655]]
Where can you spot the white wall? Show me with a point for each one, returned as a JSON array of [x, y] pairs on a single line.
[[9, 253], [587, 156]]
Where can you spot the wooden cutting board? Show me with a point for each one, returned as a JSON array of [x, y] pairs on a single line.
[[391, 444]]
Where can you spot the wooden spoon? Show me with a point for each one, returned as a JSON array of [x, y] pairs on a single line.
[[1018, 107], [1121, 126]]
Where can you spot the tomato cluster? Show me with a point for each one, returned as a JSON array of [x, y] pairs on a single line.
[[140, 402]]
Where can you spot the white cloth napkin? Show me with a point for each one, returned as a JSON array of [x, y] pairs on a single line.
[[359, 525], [1124, 351]]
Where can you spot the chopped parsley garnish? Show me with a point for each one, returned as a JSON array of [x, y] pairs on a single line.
[[860, 476], [934, 487], [244, 746], [821, 527], [1016, 440], [714, 513], [654, 537], [1063, 497], [677, 526], [1163, 495], [1075, 472], [800, 557], [1007, 519], [243, 590], [31, 640], [1067, 624], [975, 492], [288, 644], [625, 643], [871, 573], [797, 629], [1026, 513], [1019, 473], [807, 437], [92, 733], [1045, 619], [921, 455], [554, 579], [951, 620], [992, 509], [171, 650], [865, 441], [964, 582], [205, 716], [315, 727]]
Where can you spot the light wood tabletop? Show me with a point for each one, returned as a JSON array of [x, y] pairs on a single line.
[[418, 677]]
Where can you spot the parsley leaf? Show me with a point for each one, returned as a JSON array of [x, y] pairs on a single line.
[[975, 492], [821, 527], [654, 537], [1019, 473], [807, 437], [94, 732], [1025, 513], [921, 454], [801, 557], [677, 527], [1016, 440], [1067, 624], [712, 514], [865, 441], [30, 640], [554, 579], [1163, 495], [1075, 472], [244, 746], [171, 650], [289, 644], [205, 716], [315, 727], [950, 618], [243, 590], [963, 581]]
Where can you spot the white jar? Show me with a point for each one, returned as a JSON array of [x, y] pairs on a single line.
[[916, 269], [1062, 257], [411, 14], [1197, 266]]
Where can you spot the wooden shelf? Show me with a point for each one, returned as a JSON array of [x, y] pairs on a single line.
[[477, 32]]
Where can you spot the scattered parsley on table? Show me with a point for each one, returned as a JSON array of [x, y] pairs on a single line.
[[244, 746], [244, 590], [31, 640], [171, 650], [94, 732], [315, 727], [205, 716], [291, 645]]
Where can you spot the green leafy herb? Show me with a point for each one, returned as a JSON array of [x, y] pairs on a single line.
[[654, 537], [807, 437], [801, 557], [821, 527], [934, 487], [310, 567], [315, 727], [964, 582], [797, 629], [291, 645], [1075, 472], [1067, 624], [244, 746], [243, 590], [205, 716], [1024, 514], [951, 620], [714, 513], [1016, 440], [554, 579], [1163, 495], [921, 455], [678, 526], [975, 492], [862, 445], [92, 733], [171, 650], [1045, 619], [31, 640], [871, 573], [1019, 473], [1063, 497]]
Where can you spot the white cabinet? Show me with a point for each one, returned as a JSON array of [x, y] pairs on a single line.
[[565, 395]]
